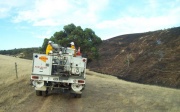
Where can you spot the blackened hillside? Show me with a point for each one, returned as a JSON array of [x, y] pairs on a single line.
[[150, 58]]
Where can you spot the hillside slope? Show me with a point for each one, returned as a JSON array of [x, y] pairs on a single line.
[[150, 58], [103, 93]]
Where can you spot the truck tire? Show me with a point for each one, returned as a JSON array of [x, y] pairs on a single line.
[[38, 93], [76, 95], [44, 93]]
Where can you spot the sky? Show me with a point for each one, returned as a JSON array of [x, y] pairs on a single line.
[[25, 23]]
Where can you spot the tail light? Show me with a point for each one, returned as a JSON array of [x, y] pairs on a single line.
[[35, 77], [81, 81]]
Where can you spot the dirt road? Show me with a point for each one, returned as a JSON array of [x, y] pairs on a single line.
[[103, 93]]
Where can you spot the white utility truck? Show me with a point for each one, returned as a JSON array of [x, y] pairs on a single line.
[[60, 70]]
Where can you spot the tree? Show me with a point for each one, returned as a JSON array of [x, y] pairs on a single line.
[[86, 39], [69, 28], [45, 43]]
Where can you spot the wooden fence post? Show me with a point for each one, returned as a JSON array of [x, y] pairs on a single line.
[[16, 70]]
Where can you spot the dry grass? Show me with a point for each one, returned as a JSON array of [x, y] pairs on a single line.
[[13, 90], [103, 93], [129, 96]]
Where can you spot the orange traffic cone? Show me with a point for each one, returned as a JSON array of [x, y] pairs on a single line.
[[78, 52]]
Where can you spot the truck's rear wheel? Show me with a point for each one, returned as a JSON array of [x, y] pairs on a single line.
[[44, 93], [38, 93], [76, 95]]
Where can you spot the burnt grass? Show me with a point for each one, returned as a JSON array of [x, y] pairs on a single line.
[[148, 58]]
